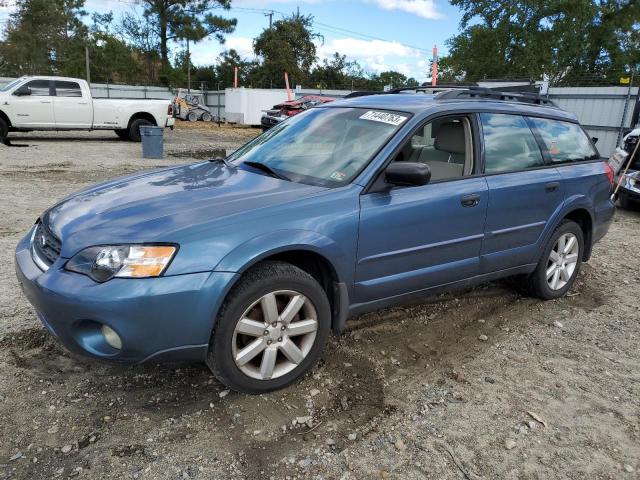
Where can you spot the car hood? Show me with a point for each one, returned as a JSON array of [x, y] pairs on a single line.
[[159, 206]]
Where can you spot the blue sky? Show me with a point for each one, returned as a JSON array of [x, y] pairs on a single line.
[[379, 34]]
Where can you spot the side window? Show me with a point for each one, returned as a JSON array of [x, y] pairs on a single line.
[[565, 141], [445, 144], [509, 144], [39, 88], [68, 89]]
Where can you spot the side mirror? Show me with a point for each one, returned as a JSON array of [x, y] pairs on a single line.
[[594, 140], [22, 91], [411, 174]]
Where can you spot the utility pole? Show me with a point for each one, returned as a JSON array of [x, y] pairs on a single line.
[[86, 58], [188, 68], [270, 15]]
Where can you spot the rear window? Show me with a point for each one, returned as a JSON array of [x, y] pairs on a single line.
[[68, 89], [509, 144], [564, 141]]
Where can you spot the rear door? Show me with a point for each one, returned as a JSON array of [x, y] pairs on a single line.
[[34, 110], [72, 106], [524, 192]]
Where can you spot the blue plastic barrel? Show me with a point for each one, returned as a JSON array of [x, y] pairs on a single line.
[[152, 141]]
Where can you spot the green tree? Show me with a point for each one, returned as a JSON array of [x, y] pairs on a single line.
[[45, 37], [186, 19], [557, 38], [286, 47]]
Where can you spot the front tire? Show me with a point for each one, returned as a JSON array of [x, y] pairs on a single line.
[[134, 129], [122, 133], [271, 329], [4, 129], [560, 262]]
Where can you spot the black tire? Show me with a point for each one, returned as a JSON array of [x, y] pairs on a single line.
[[4, 129], [134, 129], [122, 133], [193, 116], [626, 203], [538, 285], [206, 117], [259, 281]]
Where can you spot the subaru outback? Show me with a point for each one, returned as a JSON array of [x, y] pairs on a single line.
[[249, 262]]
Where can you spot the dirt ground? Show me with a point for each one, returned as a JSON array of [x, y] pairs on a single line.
[[486, 383]]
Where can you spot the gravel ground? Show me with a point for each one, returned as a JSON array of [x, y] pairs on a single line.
[[485, 383]]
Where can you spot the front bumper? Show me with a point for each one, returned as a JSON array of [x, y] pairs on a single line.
[[158, 319]]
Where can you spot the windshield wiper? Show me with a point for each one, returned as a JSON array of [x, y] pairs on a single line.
[[222, 160], [266, 169]]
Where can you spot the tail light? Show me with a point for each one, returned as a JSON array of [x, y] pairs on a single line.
[[170, 111], [609, 173]]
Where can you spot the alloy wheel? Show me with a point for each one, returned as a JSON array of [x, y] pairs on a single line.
[[562, 261], [274, 335]]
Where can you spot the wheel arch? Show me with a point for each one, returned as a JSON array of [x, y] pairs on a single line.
[[317, 255], [142, 116], [6, 118], [583, 218]]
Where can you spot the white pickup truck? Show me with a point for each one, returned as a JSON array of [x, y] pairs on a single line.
[[59, 103]]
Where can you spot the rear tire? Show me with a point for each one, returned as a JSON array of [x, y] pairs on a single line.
[[134, 129], [206, 117], [4, 129], [560, 262], [292, 342]]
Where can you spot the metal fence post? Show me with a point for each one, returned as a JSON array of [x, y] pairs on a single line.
[[625, 109]]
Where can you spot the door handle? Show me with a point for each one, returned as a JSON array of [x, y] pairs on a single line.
[[45, 101], [552, 186], [82, 103], [470, 200]]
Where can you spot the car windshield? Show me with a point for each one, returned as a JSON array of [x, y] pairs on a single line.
[[322, 146], [9, 86]]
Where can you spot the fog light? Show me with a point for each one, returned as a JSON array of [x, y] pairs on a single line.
[[111, 337]]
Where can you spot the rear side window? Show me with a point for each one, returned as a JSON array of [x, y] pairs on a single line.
[[509, 144], [39, 88], [565, 141], [68, 89]]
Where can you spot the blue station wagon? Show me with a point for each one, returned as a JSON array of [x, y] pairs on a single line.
[[249, 262]]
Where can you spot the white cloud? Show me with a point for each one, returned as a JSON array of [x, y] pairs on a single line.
[[377, 56], [422, 8], [207, 51], [242, 45], [358, 49]]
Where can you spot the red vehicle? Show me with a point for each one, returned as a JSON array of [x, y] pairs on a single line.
[[287, 109]]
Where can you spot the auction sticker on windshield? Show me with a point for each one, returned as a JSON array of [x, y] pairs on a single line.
[[384, 117]]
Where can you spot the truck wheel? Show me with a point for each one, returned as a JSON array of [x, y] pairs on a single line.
[[134, 129], [271, 329], [122, 133], [625, 203], [206, 117], [4, 130], [192, 116], [560, 262]]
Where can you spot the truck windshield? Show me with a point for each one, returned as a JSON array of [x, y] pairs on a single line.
[[9, 86], [322, 146]]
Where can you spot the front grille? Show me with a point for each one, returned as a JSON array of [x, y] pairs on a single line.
[[46, 245]]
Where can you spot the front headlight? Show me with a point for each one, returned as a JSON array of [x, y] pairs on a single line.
[[122, 261]]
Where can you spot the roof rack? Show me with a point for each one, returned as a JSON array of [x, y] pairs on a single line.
[[488, 93]]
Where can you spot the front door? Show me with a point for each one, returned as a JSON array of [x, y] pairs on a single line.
[[414, 238], [34, 110]]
